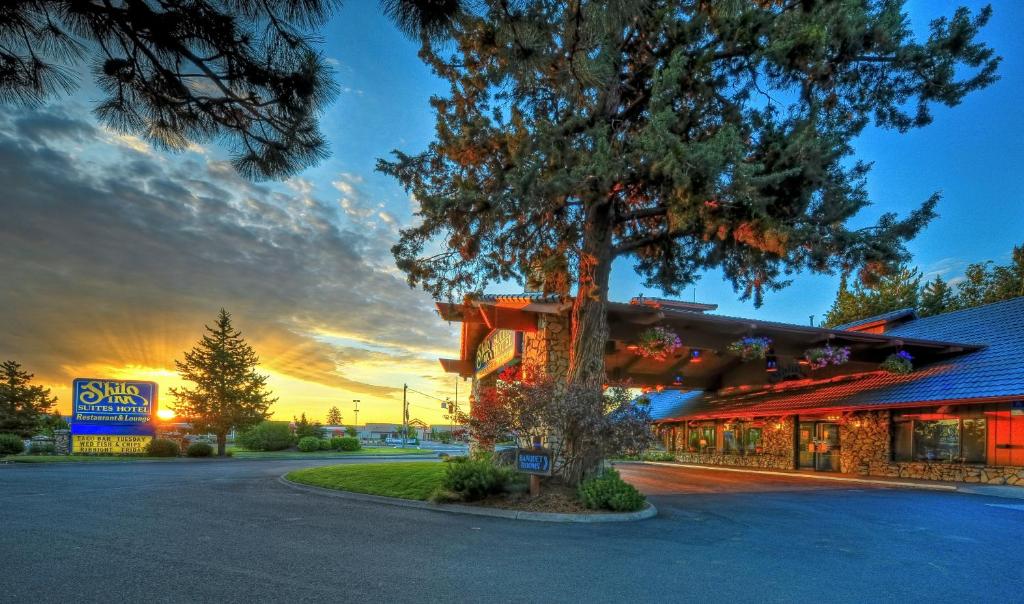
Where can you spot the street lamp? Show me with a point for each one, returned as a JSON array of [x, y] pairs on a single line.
[[356, 424]]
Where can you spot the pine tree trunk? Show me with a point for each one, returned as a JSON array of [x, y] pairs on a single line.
[[589, 332], [222, 443]]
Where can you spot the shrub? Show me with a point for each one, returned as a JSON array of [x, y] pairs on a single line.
[[325, 444], [309, 444], [266, 436], [348, 443], [41, 447], [162, 447], [11, 444], [199, 449], [474, 479], [658, 456], [609, 492]]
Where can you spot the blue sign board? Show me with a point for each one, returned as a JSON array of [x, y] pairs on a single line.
[[116, 406], [534, 461]]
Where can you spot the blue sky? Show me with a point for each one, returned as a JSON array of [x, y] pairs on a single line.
[[970, 154], [114, 254]]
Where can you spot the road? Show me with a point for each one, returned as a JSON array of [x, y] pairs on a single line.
[[229, 532]]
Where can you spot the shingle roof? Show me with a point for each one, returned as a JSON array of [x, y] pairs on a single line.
[[886, 316], [997, 370], [529, 296]]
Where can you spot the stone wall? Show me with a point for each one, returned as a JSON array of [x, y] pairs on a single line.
[[775, 462], [866, 449], [776, 448], [546, 351], [777, 439]]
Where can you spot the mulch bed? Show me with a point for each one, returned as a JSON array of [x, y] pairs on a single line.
[[553, 498]]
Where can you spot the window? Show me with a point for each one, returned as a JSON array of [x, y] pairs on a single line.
[[701, 439], [938, 437], [731, 439], [752, 441]]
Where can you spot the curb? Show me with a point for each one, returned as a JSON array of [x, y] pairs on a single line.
[[649, 510], [889, 483]]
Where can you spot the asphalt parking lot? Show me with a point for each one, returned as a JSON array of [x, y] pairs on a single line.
[[230, 532]]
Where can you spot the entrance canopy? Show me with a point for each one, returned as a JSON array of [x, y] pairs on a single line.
[[702, 363]]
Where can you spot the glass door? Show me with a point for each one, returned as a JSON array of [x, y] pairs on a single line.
[[807, 445], [819, 446], [827, 453]]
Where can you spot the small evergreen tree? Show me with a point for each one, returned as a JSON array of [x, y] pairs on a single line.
[[334, 417], [227, 392], [304, 427], [936, 298], [22, 405]]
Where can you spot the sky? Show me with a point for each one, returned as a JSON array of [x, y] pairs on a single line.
[[113, 255]]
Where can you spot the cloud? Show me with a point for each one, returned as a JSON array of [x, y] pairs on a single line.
[[115, 257]]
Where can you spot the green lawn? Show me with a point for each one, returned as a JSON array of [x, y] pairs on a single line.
[[244, 454], [406, 480]]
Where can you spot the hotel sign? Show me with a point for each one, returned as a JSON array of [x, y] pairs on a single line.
[[497, 349], [110, 444], [112, 402], [112, 417]]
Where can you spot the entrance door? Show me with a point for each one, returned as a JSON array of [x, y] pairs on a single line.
[[827, 456], [819, 446]]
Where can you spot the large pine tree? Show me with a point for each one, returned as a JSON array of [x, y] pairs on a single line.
[[226, 392], [685, 135], [22, 404]]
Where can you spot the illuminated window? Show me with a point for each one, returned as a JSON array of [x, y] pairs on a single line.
[[935, 437]]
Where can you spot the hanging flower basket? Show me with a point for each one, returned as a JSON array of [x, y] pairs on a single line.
[[819, 358], [750, 349], [658, 343], [899, 363]]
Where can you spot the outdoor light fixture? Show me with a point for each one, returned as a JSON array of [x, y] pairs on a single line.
[[695, 355], [678, 381], [771, 364]]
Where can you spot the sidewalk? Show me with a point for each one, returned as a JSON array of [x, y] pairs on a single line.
[[988, 490]]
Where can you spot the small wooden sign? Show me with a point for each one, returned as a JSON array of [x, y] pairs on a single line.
[[534, 461]]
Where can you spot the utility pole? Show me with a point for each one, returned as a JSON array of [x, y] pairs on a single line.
[[405, 413], [356, 425]]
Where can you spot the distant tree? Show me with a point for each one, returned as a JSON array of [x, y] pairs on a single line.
[[334, 417], [51, 422], [937, 297], [304, 427], [22, 404], [351, 431], [188, 71], [900, 289], [227, 392]]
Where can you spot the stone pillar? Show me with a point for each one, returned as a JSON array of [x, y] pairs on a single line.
[[864, 442], [62, 442]]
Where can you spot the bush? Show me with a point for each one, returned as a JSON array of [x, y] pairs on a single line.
[[346, 443], [266, 436], [325, 444], [658, 456], [11, 444], [199, 449], [162, 447], [308, 444], [41, 447], [609, 492], [475, 479]]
